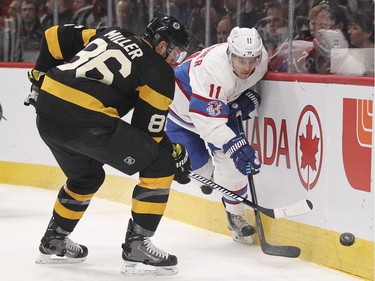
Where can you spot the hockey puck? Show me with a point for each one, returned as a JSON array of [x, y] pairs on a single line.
[[347, 239]]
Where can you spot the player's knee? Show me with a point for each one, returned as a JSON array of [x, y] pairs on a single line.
[[90, 183], [162, 166]]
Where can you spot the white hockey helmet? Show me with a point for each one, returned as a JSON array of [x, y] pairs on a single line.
[[327, 39], [244, 42]]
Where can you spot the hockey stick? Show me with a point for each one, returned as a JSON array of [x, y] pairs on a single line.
[[268, 249], [299, 208]]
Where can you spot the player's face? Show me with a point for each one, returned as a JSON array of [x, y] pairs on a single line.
[[243, 67]]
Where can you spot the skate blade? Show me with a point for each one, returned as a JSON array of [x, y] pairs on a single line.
[[136, 268], [242, 239], [53, 259]]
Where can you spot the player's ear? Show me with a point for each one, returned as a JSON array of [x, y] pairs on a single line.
[[161, 48]]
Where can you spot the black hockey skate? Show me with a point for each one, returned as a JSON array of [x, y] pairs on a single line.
[[241, 231], [57, 247], [141, 257]]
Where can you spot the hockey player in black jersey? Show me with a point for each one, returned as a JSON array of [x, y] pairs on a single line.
[[83, 83]]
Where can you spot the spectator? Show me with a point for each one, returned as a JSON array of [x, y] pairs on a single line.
[[223, 29], [30, 34], [100, 12], [42, 10], [252, 13], [10, 48], [361, 31], [333, 17], [197, 25], [301, 8], [313, 27], [275, 32], [82, 12], [126, 15], [14, 9], [79, 4], [197, 21], [64, 14], [181, 9], [143, 13]]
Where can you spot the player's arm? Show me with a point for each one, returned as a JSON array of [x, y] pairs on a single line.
[[59, 45], [151, 108], [209, 114], [209, 110], [150, 115]]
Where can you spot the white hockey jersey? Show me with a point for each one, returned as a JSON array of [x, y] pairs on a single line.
[[205, 85]]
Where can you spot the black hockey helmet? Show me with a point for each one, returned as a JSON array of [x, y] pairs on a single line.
[[169, 29]]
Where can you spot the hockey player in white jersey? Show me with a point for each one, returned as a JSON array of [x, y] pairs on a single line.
[[202, 114]]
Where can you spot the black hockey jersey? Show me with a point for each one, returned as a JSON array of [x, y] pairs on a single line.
[[107, 73]]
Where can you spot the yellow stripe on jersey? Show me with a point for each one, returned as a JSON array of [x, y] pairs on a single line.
[[154, 98], [77, 97], [141, 207], [66, 213], [86, 35], [78, 197], [53, 42], [157, 139], [156, 183]]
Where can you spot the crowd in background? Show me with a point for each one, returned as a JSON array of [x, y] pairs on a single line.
[[319, 27]]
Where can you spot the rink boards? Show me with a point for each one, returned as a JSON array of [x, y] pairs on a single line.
[[313, 135]]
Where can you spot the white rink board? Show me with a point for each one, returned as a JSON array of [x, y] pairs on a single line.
[[337, 205]]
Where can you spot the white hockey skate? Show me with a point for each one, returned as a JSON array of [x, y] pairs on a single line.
[[141, 257], [241, 231], [57, 248]]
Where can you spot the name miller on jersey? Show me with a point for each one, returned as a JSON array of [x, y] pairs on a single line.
[[132, 49]]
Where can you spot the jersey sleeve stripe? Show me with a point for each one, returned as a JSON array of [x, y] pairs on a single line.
[[86, 35], [154, 98], [77, 97], [52, 39]]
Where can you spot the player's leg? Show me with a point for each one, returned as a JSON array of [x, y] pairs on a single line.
[[84, 177], [156, 168], [200, 159], [228, 176], [150, 197]]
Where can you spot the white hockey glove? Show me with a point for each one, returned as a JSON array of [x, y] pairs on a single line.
[[36, 78]]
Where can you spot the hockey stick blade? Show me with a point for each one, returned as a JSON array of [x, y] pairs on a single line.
[[274, 250], [299, 208]]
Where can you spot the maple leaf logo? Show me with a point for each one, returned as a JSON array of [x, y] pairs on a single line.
[[309, 147]]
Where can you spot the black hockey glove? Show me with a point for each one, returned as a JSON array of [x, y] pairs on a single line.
[[181, 157], [36, 77], [247, 102]]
